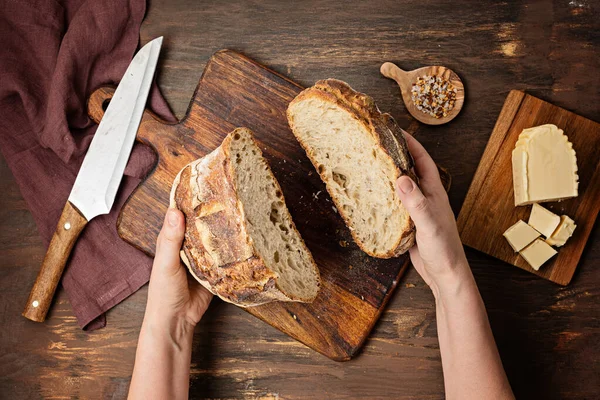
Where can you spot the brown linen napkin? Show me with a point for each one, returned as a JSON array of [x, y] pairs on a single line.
[[53, 54]]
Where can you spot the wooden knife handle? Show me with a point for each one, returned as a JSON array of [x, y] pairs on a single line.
[[70, 225]]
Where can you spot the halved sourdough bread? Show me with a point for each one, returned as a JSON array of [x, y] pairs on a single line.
[[240, 241], [359, 153]]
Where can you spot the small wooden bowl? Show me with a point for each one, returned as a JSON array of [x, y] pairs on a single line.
[[406, 79]]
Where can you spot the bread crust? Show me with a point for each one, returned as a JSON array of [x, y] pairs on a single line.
[[384, 130], [217, 248]]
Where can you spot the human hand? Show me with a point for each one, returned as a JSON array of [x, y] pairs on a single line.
[[174, 297], [175, 305], [438, 256]]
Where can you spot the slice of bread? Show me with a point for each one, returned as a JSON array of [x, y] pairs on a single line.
[[240, 241], [359, 153]]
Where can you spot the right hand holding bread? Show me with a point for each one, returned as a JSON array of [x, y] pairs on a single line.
[[438, 255]]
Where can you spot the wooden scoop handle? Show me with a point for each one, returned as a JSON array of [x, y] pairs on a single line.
[[70, 225], [392, 71]]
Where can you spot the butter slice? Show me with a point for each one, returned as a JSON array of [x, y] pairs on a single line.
[[563, 232], [537, 253], [543, 221], [520, 235], [544, 166]]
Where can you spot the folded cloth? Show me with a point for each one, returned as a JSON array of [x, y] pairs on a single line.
[[53, 55]]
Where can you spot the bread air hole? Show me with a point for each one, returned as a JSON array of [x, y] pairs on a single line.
[[274, 216], [339, 178], [236, 136], [347, 208], [321, 169], [276, 256]]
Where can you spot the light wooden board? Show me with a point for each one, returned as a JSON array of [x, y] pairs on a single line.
[[488, 209], [235, 91]]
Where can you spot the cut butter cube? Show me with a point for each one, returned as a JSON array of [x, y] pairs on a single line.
[[537, 253], [544, 166], [520, 235], [564, 231], [543, 221]]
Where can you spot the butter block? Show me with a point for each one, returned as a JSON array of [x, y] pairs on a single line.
[[520, 235], [537, 253], [544, 166], [563, 232], [543, 220]]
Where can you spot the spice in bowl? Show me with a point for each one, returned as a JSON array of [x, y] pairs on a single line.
[[433, 95]]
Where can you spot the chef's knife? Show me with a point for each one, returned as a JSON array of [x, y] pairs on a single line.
[[100, 174]]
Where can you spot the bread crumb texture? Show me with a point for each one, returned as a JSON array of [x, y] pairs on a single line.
[[240, 241], [346, 148]]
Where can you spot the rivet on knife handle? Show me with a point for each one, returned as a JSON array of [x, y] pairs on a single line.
[[69, 227]]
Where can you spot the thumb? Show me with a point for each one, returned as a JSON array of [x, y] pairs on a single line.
[[169, 241], [415, 202]]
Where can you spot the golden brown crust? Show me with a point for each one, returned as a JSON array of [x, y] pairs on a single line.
[[385, 131], [217, 247]]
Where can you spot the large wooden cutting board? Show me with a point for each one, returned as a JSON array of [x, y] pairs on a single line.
[[235, 91], [489, 207]]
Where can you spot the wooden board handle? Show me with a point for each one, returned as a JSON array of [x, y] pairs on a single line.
[[70, 225], [98, 101]]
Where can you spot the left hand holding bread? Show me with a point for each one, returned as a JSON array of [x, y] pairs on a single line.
[[173, 295], [175, 305]]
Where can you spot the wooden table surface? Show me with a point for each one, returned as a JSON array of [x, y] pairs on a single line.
[[548, 335]]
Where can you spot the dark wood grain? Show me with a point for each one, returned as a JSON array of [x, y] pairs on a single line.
[[70, 225], [547, 334], [235, 91], [489, 210]]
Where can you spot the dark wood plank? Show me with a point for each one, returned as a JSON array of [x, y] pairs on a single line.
[[547, 334], [489, 207]]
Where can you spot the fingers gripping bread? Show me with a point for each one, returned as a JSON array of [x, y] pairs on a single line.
[[240, 241], [359, 153]]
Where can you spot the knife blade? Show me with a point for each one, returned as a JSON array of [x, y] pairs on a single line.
[[99, 176]]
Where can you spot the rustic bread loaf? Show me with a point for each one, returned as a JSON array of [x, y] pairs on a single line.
[[359, 153], [240, 241]]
